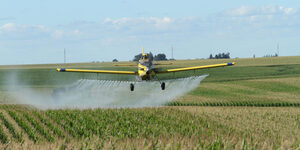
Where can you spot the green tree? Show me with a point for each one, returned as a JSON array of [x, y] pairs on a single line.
[[159, 57], [137, 57]]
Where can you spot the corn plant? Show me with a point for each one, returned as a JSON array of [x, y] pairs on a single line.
[[21, 122], [11, 129], [47, 123], [3, 136], [60, 120], [38, 127]]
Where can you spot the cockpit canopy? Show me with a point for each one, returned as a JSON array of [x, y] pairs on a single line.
[[145, 56], [145, 61]]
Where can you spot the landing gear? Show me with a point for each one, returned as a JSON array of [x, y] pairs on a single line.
[[132, 84], [131, 87], [163, 86]]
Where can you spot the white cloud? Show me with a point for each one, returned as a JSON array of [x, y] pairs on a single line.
[[255, 11], [7, 27], [245, 22], [42, 28], [19, 31], [150, 22], [261, 20], [288, 10], [241, 11], [11, 27], [13, 31], [76, 31], [107, 20], [238, 21]]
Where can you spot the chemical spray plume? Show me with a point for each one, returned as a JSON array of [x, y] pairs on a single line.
[[86, 93]]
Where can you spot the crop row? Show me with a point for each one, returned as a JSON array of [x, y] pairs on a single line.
[[125, 123], [105, 123], [120, 124], [3, 136], [21, 122], [152, 124], [38, 127], [11, 129], [250, 104], [31, 121], [48, 123], [61, 120]]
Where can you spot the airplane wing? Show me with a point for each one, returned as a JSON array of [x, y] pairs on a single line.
[[197, 67], [155, 64], [96, 71]]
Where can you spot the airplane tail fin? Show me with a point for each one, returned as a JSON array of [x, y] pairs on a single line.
[[143, 53]]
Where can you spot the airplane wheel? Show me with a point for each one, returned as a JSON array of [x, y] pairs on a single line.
[[163, 85], [131, 87]]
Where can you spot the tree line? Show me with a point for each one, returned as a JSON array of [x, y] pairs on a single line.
[[157, 57], [271, 55], [162, 56], [220, 56]]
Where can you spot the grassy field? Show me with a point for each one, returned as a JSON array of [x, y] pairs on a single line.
[[252, 105]]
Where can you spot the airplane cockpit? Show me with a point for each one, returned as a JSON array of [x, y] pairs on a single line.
[[145, 56], [145, 61]]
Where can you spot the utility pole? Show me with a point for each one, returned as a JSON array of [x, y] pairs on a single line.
[[278, 49], [172, 52], [64, 55]]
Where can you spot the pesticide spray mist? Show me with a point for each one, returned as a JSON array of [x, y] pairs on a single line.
[[86, 93]]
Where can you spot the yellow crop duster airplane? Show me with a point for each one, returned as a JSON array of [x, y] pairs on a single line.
[[146, 70]]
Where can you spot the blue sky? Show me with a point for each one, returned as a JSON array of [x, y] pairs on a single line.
[[36, 31]]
